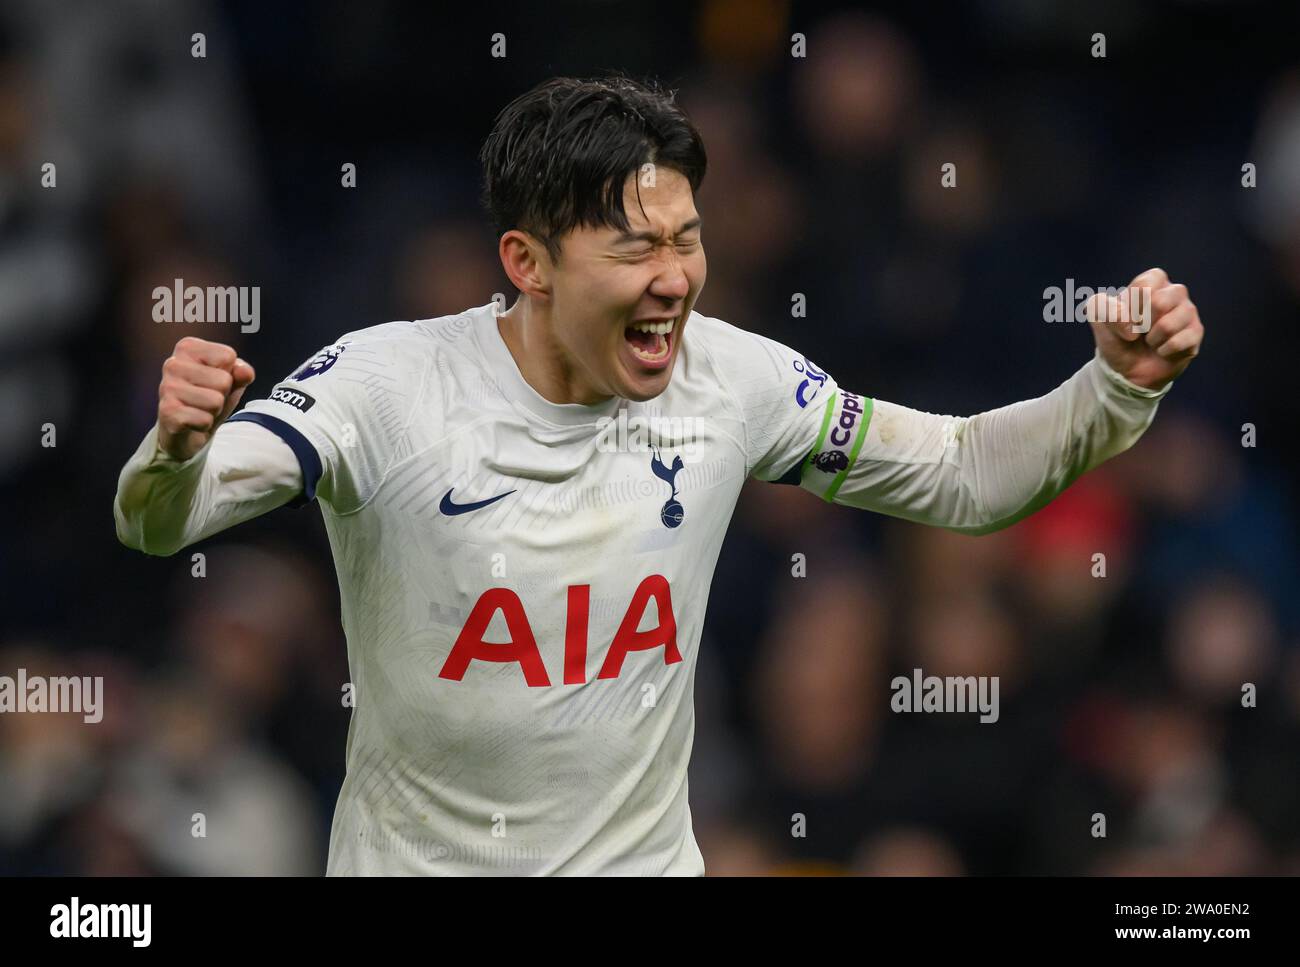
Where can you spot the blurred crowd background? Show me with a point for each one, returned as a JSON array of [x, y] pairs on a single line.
[[1119, 695]]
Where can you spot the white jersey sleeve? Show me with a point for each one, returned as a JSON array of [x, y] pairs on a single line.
[[981, 473], [973, 474], [345, 413], [334, 437], [781, 395], [163, 505]]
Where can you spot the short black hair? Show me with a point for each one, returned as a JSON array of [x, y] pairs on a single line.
[[559, 155]]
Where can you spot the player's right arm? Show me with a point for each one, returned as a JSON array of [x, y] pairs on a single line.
[[194, 475]]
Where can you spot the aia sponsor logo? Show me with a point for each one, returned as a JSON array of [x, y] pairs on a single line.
[[522, 647]]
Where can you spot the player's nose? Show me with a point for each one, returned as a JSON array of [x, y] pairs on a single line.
[[672, 282]]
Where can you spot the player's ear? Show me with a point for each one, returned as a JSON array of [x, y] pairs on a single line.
[[526, 262]]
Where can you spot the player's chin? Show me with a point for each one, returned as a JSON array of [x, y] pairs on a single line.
[[641, 389]]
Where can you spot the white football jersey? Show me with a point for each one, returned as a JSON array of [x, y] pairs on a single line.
[[524, 583]]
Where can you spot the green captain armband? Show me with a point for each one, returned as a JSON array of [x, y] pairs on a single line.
[[844, 428]]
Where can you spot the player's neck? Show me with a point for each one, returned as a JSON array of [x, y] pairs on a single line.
[[542, 362]]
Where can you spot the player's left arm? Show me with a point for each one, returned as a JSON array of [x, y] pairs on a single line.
[[981, 473]]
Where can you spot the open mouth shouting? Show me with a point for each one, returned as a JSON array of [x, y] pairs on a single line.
[[650, 341]]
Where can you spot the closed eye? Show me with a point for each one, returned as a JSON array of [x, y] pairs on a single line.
[[686, 244]]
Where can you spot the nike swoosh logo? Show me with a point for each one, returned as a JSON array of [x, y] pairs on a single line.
[[451, 510]]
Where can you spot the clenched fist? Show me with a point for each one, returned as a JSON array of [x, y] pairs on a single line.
[[1149, 332], [201, 385]]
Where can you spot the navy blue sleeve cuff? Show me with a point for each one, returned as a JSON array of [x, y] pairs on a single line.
[[308, 458]]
